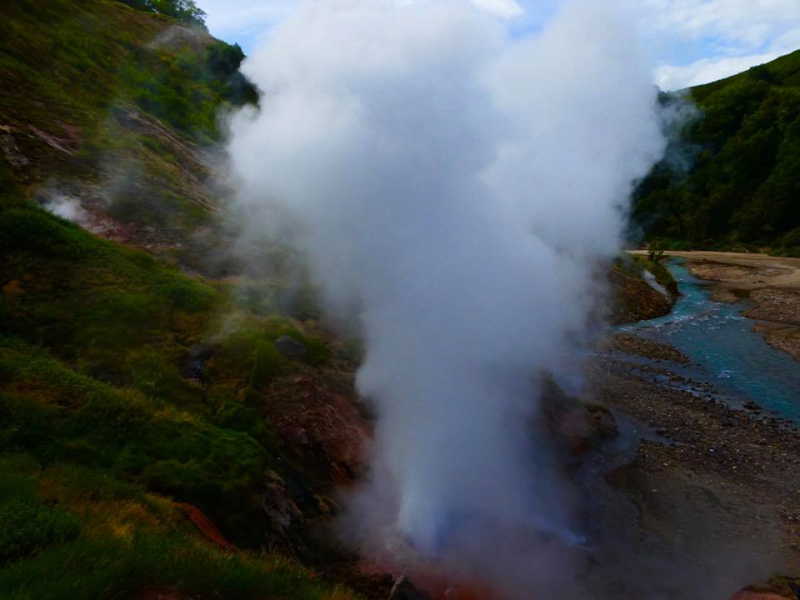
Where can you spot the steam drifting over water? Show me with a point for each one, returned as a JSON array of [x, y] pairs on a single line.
[[454, 188]]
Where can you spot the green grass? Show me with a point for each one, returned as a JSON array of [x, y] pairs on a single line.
[[129, 97], [76, 533], [54, 413], [105, 425], [96, 341], [80, 57]]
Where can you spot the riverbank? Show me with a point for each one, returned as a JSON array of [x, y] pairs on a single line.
[[715, 488], [770, 283]]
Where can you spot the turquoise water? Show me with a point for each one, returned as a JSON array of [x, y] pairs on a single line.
[[725, 350]]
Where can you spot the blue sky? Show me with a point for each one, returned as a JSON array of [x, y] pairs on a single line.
[[691, 41]]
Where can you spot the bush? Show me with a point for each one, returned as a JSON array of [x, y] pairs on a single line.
[[183, 10], [29, 527]]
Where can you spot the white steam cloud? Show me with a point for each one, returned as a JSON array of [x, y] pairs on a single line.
[[454, 187], [68, 208]]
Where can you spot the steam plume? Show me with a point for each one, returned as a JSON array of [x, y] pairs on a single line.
[[453, 187]]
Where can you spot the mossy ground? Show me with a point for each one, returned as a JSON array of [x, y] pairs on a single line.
[[75, 532], [118, 107], [96, 404], [107, 421], [104, 426]]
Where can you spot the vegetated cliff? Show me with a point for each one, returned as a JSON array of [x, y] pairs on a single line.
[[154, 438], [729, 180]]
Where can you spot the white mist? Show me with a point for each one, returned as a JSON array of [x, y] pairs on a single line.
[[453, 187]]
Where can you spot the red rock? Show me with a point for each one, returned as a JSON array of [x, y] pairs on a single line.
[[205, 526]]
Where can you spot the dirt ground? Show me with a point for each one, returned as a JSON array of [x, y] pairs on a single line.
[[716, 488]]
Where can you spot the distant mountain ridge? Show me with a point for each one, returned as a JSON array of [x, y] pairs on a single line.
[[737, 182]]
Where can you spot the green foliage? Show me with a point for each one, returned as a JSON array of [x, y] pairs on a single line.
[[655, 253], [659, 271], [93, 370], [73, 532], [79, 59], [182, 10], [252, 346], [108, 567], [90, 298], [104, 420], [58, 414], [30, 527], [742, 187]]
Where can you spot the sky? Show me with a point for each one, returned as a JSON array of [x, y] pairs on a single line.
[[690, 41]]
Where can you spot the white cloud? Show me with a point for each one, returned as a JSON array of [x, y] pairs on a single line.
[[245, 20], [747, 23], [692, 41], [671, 77], [698, 41], [503, 8]]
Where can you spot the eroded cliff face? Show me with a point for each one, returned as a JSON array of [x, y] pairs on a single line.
[[633, 298]]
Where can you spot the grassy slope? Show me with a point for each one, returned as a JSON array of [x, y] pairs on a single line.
[[117, 106], [95, 336], [741, 190], [103, 429]]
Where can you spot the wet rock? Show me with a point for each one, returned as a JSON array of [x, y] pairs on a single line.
[[285, 518], [602, 423], [10, 149], [404, 590], [579, 425], [290, 348]]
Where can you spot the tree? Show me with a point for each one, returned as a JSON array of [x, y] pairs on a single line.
[[182, 10]]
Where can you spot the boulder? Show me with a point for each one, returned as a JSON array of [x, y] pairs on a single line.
[[286, 520]]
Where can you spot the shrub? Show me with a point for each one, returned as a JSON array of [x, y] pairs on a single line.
[[29, 527]]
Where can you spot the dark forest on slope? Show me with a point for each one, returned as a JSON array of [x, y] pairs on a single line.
[[731, 177]]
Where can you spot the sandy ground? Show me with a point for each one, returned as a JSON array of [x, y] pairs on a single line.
[[717, 488], [770, 283]]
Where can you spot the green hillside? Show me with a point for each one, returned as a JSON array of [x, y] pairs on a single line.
[[730, 178], [140, 450], [117, 107]]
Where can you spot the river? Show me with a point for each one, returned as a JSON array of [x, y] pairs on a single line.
[[724, 350]]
